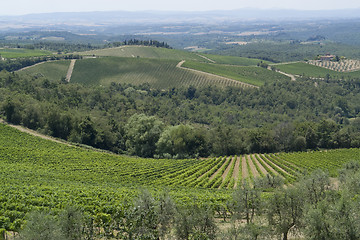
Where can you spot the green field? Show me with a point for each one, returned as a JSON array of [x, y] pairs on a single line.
[[231, 60], [309, 70], [250, 74], [22, 52], [41, 174], [53, 71], [158, 73], [145, 52]]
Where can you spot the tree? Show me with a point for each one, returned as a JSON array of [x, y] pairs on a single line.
[[41, 226], [285, 210], [142, 134]]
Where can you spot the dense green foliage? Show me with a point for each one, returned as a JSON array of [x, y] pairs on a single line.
[[226, 120]]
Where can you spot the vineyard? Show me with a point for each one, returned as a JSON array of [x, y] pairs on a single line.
[[53, 71], [310, 70], [158, 73], [248, 74], [41, 174], [144, 52], [21, 52], [346, 65]]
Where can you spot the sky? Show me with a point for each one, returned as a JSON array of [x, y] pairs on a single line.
[[19, 7]]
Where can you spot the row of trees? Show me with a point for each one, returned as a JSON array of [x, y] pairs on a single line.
[[152, 43], [313, 208]]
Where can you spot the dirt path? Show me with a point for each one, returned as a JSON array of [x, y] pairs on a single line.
[[262, 169], [217, 171], [34, 65], [293, 78], [236, 171], [70, 70], [253, 169], [206, 58], [179, 65], [245, 173], [228, 169], [34, 133]]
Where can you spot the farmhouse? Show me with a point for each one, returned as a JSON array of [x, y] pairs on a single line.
[[327, 57]]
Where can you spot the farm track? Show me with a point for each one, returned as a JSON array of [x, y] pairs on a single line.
[[70, 70], [206, 58], [223, 80], [226, 172], [236, 171], [245, 173], [255, 173]]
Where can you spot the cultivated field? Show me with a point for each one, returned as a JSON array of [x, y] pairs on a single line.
[[53, 71], [248, 74], [309, 70], [21, 52], [346, 65], [158, 73], [144, 52]]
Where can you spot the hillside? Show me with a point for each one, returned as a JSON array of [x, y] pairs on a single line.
[[308, 70], [144, 52]]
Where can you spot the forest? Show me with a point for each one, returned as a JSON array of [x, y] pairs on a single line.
[[188, 122]]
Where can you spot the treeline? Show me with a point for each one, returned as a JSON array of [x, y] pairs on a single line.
[[181, 123], [61, 47], [12, 65], [152, 43], [313, 208]]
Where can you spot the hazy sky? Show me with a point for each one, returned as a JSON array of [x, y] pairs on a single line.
[[16, 7]]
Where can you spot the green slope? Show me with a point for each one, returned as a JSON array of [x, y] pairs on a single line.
[[22, 52], [231, 60], [53, 71], [158, 73], [145, 52], [253, 75], [309, 70]]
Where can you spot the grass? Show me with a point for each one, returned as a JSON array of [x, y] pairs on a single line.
[[158, 73], [309, 70], [231, 60], [53, 71], [22, 52], [145, 52], [253, 75]]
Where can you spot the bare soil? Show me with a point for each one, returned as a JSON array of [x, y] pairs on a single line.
[[217, 171], [276, 165], [262, 169], [236, 171], [253, 169], [245, 173], [70, 70], [268, 166], [227, 169]]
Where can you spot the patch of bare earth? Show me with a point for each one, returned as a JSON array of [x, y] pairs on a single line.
[[245, 173], [276, 165], [70, 70], [217, 171], [34, 133], [267, 165], [228, 169], [262, 169], [253, 169], [236, 171]]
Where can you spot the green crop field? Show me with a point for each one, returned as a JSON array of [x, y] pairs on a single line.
[[158, 73], [22, 52], [145, 52], [253, 75], [41, 174], [231, 60], [53, 71], [309, 70]]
